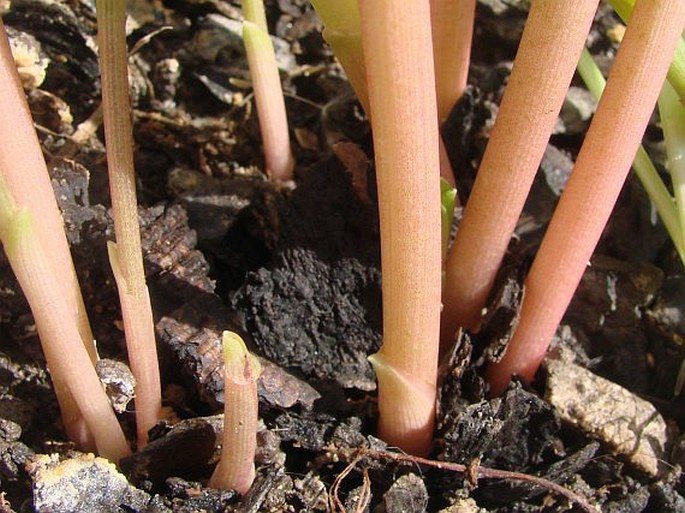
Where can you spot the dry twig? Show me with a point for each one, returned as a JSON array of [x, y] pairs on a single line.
[[472, 472]]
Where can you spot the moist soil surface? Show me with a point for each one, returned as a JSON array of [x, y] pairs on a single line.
[[295, 270]]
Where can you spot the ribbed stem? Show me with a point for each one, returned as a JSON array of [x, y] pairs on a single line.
[[552, 40], [126, 255], [597, 178], [26, 178], [235, 470], [273, 122], [401, 88]]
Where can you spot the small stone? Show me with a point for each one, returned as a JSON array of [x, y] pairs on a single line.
[[120, 385], [29, 58], [407, 494], [467, 505], [83, 483], [608, 412], [579, 106]]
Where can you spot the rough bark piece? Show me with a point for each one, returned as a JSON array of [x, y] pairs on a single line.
[[191, 338], [316, 306]]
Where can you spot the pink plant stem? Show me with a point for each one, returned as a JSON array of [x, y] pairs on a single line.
[[29, 178], [235, 470], [598, 176], [401, 88], [65, 354], [26, 174], [446, 170], [452, 29], [273, 121], [126, 255], [552, 41]]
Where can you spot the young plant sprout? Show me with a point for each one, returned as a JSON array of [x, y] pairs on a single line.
[[236, 470], [28, 186], [273, 122], [33, 238], [600, 170], [405, 134], [552, 40], [126, 255]]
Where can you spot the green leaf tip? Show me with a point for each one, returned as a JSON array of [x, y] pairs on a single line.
[[17, 231], [16, 224], [339, 15], [448, 196], [241, 366]]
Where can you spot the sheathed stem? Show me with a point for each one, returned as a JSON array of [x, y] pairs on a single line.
[[126, 255], [401, 87], [25, 174], [67, 358]]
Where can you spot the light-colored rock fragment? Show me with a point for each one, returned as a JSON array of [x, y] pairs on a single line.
[[467, 505], [82, 483], [29, 58], [630, 426]]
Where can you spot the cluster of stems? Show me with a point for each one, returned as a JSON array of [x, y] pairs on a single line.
[[552, 40], [605, 158], [33, 238], [409, 66], [550, 49]]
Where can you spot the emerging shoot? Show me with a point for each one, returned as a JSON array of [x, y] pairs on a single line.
[[236, 470], [273, 122]]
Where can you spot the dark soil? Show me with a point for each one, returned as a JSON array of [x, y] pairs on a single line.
[[296, 271]]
